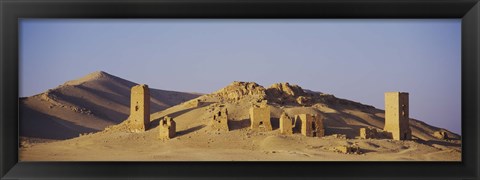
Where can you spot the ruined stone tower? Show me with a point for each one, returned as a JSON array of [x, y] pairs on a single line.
[[220, 120], [260, 117], [397, 120], [166, 128], [139, 118], [286, 126], [310, 125]]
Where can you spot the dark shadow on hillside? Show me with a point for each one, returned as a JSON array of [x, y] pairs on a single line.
[[172, 98], [359, 119], [154, 123], [124, 99], [439, 142], [97, 110], [33, 123]]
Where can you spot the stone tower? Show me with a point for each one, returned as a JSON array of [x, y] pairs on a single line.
[[260, 117], [310, 125], [220, 120], [286, 126], [397, 121], [139, 118]]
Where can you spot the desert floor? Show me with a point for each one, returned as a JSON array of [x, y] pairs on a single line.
[[197, 144]]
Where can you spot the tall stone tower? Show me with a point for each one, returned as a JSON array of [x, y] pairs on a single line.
[[397, 120], [139, 119]]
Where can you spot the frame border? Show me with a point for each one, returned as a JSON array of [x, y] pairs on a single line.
[[467, 10]]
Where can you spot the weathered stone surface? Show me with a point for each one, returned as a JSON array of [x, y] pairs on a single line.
[[139, 118], [397, 119], [440, 135], [260, 117], [310, 125], [374, 133], [238, 91], [166, 128], [285, 89], [285, 93], [286, 126], [319, 130], [220, 120]]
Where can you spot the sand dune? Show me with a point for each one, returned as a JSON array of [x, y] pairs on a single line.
[[196, 140], [88, 104]]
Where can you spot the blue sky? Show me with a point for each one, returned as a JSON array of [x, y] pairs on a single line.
[[353, 59]]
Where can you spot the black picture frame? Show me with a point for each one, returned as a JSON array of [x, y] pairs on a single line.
[[467, 10]]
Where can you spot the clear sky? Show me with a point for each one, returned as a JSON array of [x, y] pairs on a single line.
[[353, 59]]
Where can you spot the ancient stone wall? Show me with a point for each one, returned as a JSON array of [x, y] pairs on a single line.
[[319, 129], [310, 125], [374, 133], [286, 126], [167, 128], [139, 118], [397, 119], [260, 117], [305, 121], [220, 120]]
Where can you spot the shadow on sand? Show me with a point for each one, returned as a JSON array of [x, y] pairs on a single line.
[[190, 130]]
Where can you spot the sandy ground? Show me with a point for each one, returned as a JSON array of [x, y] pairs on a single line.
[[194, 144]]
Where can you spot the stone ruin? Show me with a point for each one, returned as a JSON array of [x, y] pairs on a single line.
[[397, 119], [260, 117], [310, 125], [286, 126], [166, 128], [220, 120], [139, 119], [374, 133]]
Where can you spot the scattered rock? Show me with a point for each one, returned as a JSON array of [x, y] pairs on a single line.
[[440, 135], [348, 149]]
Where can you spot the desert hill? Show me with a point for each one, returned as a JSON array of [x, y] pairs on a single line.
[[88, 104], [196, 140], [341, 116]]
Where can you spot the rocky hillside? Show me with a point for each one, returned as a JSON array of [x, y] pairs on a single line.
[[341, 116]]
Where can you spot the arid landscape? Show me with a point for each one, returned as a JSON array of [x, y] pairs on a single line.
[[88, 120]]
